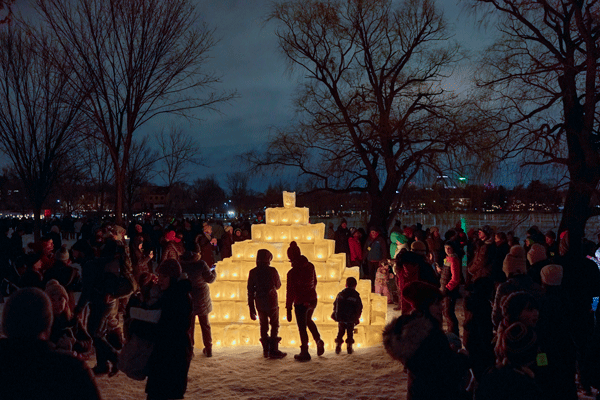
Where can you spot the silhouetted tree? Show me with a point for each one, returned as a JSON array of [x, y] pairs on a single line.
[[40, 111], [372, 109], [542, 76], [142, 58]]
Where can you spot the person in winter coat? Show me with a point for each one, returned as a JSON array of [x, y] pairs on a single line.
[[537, 259], [302, 295], [483, 256], [347, 308], [172, 247], [513, 378], [200, 275], [355, 247], [341, 236], [375, 250], [557, 379], [478, 330], [67, 332], [29, 367], [435, 371], [518, 280], [140, 258], [206, 245], [169, 362], [263, 284], [450, 279]]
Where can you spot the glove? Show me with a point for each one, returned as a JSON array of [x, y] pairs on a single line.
[[252, 313], [289, 315]]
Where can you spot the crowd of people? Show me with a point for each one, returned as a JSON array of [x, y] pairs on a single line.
[[529, 329]]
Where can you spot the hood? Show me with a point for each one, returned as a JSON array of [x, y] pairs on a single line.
[[403, 336]]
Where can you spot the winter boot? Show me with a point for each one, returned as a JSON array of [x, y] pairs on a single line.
[[275, 353], [304, 355], [207, 351], [266, 347], [338, 346], [349, 343], [320, 347]]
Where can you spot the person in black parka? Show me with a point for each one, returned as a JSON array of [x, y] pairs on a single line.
[[170, 360], [263, 283]]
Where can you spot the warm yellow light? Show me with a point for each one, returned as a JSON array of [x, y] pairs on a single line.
[[269, 238], [235, 274], [293, 342], [233, 296], [226, 316], [284, 220], [359, 345], [272, 221], [320, 256], [233, 343], [218, 295], [218, 342], [242, 317], [362, 320], [284, 237], [296, 220], [308, 238]]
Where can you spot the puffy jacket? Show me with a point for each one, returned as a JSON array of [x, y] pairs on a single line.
[[301, 283]]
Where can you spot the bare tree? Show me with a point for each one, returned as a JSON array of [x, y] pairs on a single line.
[[542, 77], [140, 171], [208, 196], [372, 108], [40, 111], [239, 192], [6, 11], [143, 58], [98, 166], [177, 151]]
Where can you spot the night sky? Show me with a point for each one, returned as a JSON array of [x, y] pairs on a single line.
[[248, 59]]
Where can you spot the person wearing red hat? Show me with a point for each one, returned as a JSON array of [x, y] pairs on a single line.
[[172, 246]]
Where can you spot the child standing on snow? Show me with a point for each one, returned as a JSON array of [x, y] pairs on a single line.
[[346, 312], [383, 275]]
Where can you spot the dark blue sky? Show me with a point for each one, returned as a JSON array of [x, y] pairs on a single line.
[[248, 59]]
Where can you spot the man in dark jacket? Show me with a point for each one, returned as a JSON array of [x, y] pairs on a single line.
[[346, 312], [29, 368], [263, 283], [342, 234]]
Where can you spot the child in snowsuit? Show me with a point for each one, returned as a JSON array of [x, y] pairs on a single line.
[[346, 312], [263, 283]]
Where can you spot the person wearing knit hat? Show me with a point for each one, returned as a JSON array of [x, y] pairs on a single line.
[[418, 247], [263, 284], [513, 378], [302, 295], [172, 248], [169, 270], [172, 353], [419, 343], [422, 296], [515, 262], [551, 275], [67, 332], [515, 269], [30, 368], [555, 334], [537, 259]]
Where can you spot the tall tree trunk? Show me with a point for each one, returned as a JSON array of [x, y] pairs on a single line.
[[119, 194], [380, 212]]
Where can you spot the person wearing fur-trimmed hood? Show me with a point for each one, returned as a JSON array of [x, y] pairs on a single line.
[[417, 340]]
